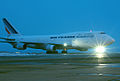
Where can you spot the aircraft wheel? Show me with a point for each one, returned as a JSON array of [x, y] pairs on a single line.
[[64, 51], [56, 52], [48, 52], [52, 52]]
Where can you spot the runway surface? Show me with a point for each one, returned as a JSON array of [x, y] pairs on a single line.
[[59, 67]]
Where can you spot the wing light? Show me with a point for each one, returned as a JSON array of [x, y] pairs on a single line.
[[65, 44]]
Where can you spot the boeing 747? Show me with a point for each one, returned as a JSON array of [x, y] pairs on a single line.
[[51, 43]]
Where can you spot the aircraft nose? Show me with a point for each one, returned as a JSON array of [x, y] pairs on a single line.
[[111, 41]]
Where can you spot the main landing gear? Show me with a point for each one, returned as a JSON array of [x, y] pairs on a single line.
[[52, 52], [64, 50], [56, 52]]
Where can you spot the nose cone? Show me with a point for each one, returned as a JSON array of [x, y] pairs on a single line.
[[113, 40], [104, 41], [110, 41]]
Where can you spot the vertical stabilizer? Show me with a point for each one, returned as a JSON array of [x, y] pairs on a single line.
[[9, 28]]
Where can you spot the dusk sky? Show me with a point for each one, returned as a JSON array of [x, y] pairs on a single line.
[[45, 17]]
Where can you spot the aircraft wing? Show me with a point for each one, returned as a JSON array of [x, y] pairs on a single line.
[[37, 45]]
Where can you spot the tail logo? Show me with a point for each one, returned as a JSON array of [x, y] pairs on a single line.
[[7, 30]]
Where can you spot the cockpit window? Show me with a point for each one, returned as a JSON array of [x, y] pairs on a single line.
[[102, 33]]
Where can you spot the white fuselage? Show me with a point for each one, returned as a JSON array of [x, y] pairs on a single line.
[[73, 40], [78, 40]]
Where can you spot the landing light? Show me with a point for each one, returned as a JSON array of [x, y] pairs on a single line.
[[65, 44], [100, 49]]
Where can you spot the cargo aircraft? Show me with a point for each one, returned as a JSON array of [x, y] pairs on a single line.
[[51, 43]]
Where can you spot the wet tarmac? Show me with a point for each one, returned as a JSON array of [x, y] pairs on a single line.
[[60, 67]]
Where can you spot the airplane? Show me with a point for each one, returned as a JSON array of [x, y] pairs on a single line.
[[51, 43]]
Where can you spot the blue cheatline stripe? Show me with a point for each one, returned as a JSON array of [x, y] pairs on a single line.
[[9, 26]]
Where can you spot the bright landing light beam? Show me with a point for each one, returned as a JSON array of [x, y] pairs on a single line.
[[65, 44], [100, 49]]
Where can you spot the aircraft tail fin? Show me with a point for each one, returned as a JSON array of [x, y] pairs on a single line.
[[9, 28]]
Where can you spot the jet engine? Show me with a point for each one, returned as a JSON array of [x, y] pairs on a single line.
[[50, 47], [83, 49], [19, 46]]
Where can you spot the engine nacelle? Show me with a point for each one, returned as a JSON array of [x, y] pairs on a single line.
[[20, 46], [83, 49], [50, 47]]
